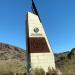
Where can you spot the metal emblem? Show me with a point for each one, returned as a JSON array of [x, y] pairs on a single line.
[[36, 30]]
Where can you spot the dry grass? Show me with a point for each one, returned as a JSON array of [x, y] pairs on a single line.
[[11, 66], [40, 71]]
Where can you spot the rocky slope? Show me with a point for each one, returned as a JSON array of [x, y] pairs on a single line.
[[66, 62], [11, 52], [12, 59]]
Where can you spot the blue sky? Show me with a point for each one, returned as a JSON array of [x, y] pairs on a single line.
[[58, 18]]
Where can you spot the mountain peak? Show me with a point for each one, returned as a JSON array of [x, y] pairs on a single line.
[[72, 54]]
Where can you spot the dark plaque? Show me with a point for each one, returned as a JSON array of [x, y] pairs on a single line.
[[37, 45]]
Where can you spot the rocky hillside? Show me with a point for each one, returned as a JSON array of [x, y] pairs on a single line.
[[12, 59], [66, 62], [11, 52]]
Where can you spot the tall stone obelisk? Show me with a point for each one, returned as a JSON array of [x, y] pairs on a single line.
[[39, 51]]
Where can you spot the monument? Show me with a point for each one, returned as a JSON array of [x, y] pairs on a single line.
[[39, 52]]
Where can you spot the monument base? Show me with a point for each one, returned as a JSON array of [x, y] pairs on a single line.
[[42, 60]]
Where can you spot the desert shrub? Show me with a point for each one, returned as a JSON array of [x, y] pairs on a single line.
[[40, 71], [6, 73], [21, 74], [37, 71], [53, 72], [9, 67], [9, 73]]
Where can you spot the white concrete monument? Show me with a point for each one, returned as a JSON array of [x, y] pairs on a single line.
[[39, 51]]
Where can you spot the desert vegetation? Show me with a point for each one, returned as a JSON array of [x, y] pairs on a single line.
[[66, 62], [11, 67], [40, 71], [13, 62]]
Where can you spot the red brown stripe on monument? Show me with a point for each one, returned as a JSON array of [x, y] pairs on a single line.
[[37, 45]]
